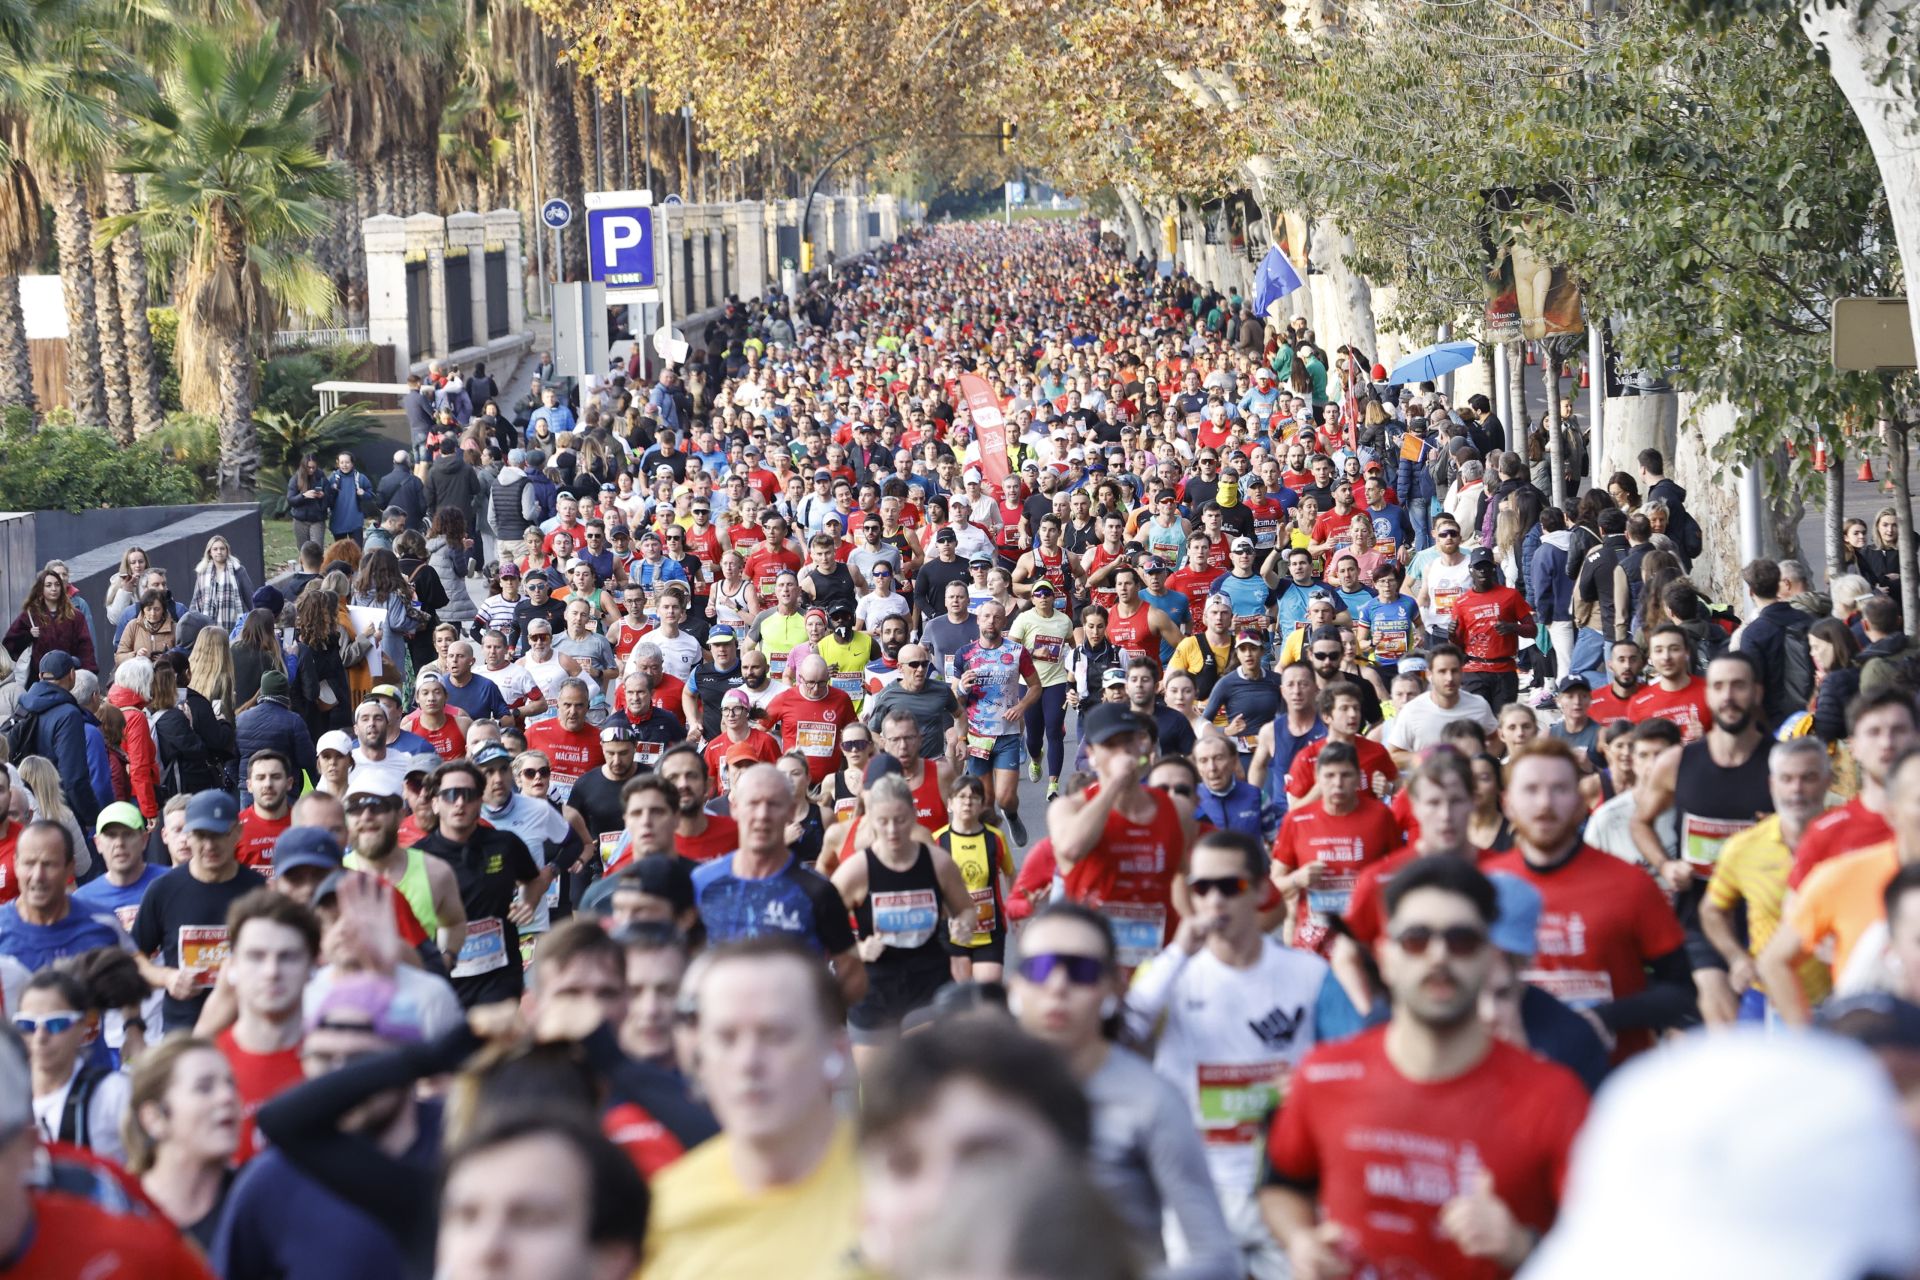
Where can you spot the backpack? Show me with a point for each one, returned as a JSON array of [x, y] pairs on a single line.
[[18, 730], [1685, 532]]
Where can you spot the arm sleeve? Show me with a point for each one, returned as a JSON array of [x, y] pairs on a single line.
[[1178, 1163], [1667, 1003]]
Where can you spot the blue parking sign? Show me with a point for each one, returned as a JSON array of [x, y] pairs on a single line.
[[620, 247]]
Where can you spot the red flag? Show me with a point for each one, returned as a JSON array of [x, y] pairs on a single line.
[[989, 427]]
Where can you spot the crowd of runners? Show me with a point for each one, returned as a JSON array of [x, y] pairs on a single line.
[[606, 856]]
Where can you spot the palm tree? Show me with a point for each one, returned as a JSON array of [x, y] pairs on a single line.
[[234, 182]]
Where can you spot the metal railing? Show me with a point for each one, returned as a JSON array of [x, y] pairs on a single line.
[[296, 339]]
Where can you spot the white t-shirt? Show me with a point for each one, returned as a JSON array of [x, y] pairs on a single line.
[[874, 608], [549, 675], [538, 824], [515, 685], [679, 655], [104, 1109], [1419, 724], [1224, 1034]]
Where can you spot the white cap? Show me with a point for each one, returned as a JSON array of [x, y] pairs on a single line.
[[375, 780], [1789, 1152], [336, 740]]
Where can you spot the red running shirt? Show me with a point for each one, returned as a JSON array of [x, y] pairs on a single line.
[[449, 741], [74, 1237], [257, 835], [1601, 921], [259, 1078], [1344, 845], [1685, 706], [1848, 829], [1128, 878], [1377, 768], [1384, 1154], [812, 728], [1475, 615], [722, 836]]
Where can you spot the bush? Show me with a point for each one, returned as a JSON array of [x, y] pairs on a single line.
[[165, 324], [286, 384], [74, 468], [284, 440]]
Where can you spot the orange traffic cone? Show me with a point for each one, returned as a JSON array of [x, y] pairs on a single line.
[[1866, 471], [1531, 358], [1791, 451], [1566, 371], [1586, 379]]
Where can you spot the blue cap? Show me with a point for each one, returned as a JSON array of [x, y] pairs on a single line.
[[1519, 923], [57, 664], [720, 633], [307, 847], [491, 753], [213, 812]]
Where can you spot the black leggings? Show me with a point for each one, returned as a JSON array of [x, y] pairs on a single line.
[[1048, 715]]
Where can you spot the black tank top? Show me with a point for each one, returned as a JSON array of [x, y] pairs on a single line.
[[1712, 803], [904, 908]]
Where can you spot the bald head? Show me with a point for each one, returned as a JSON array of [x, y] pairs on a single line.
[[813, 669], [762, 803]]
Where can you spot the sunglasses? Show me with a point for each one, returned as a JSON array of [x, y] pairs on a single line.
[[1180, 789], [537, 773], [1082, 971], [363, 804], [1460, 940], [458, 795], [53, 1023], [1327, 655], [914, 666], [856, 744], [1225, 886]]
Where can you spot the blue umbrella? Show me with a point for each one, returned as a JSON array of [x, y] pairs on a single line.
[[1429, 363]]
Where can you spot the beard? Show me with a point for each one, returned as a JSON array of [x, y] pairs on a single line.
[[1550, 834], [1735, 724]]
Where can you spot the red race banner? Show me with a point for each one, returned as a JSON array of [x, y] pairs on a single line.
[[989, 427]]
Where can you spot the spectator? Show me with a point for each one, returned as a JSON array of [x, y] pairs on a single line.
[[271, 724], [49, 623], [60, 732]]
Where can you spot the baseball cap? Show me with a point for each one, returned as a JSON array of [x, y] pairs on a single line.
[[306, 847], [1481, 555], [946, 534], [881, 766], [1243, 544], [58, 664], [1823, 1190], [1111, 720], [336, 741], [740, 751], [977, 561], [508, 569], [1247, 635], [1572, 683], [1113, 678], [721, 635], [1043, 588], [371, 1002], [212, 811], [736, 698], [823, 474], [384, 691], [1320, 593], [657, 875], [382, 782], [121, 813], [1518, 924], [492, 753]]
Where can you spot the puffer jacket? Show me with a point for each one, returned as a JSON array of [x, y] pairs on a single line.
[[143, 768]]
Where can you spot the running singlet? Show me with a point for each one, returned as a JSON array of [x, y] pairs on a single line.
[[1104, 596], [903, 909], [1714, 804], [1343, 846], [1446, 583], [983, 858], [449, 741], [1132, 632], [1052, 567], [929, 806], [1128, 878]]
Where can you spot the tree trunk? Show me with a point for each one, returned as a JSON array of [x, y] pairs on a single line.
[[1556, 463], [561, 166], [1137, 224], [72, 230], [130, 276], [16, 358], [239, 442], [1348, 319], [1897, 457], [1834, 517], [1856, 36], [113, 345], [1517, 396]]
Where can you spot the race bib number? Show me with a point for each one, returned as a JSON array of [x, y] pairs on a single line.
[[1701, 839], [1390, 646], [905, 918], [1139, 930], [1579, 988], [484, 950], [851, 685], [648, 753], [204, 947], [980, 746], [815, 738], [1327, 902], [1235, 1098], [1445, 598], [777, 664], [611, 843], [983, 910], [1046, 648]]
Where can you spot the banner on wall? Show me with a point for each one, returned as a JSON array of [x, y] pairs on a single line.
[[989, 428]]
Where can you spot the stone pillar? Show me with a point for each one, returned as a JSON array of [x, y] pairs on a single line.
[[469, 231], [503, 229], [889, 218], [702, 296], [427, 236], [385, 238], [749, 248], [843, 215]]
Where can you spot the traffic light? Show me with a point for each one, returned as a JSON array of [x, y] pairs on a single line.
[[1008, 132], [806, 255]]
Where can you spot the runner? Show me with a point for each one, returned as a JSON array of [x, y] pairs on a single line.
[[989, 670], [1675, 693], [1324, 845]]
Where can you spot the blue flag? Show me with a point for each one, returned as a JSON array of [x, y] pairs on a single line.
[[1274, 281]]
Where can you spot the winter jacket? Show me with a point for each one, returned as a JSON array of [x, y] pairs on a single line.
[[142, 766], [1414, 480], [350, 501], [1549, 589], [401, 488], [1882, 663], [513, 505], [138, 636], [70, 634], [196, 747], [99, 761], [1680, 522], [1603, 601], [271, 724], [452, 483], [1706, 640], [304, 509], [1837, 688], [60, 734], [1776, 639], [453, 566]]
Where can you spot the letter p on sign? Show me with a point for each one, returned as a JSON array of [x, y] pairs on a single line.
[[620, 244]]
